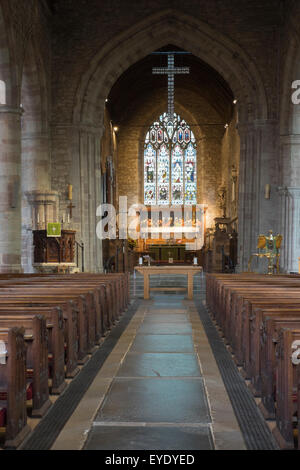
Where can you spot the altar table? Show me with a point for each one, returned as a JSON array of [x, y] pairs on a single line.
[[189, 271]]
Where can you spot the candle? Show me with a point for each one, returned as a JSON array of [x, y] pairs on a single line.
[[267, 191], [68, 218], [38, 218], [70, 192]]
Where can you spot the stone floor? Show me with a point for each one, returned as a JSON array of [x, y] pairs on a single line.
[[159, 389]]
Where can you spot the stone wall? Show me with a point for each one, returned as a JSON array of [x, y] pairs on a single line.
[[62, 65]]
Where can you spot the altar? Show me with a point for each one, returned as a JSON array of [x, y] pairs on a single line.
[[163, 253], [189, 271], [171, 234]]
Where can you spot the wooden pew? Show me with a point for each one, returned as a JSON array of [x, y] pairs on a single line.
[[88, 336], [56, 347], [286, 387], [117, 286], [36, 339], [255, 341], [47, 299], [121, 279], [261, 317], [13, 387], [91, 306], [268, 361]]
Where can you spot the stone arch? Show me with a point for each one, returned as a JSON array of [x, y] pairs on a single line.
[[257, 128], [211, 46]]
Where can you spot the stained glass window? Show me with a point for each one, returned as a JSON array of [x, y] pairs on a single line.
[[170, 163], [150, 175]]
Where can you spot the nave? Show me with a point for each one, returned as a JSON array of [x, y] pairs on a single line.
[[161, 387]]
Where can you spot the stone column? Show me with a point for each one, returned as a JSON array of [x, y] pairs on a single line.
[[76, 160], [10, 201], [258, 167], [289, 192], [290, 228], [90, 196], [36, 179]]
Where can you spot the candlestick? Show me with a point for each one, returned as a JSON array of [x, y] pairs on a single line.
[[70, 192]]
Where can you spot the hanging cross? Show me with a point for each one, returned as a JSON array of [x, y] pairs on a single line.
[[171, 71]]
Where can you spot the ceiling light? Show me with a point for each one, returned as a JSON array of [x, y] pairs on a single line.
[[235, 101]]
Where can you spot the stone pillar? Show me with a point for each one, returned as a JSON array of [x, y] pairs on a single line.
[[289, 192], [290, 229], [90, 197], [36, 178], [10, 201], [258, 167], [36, 169], [76, 161]]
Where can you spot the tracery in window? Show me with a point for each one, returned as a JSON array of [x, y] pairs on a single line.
[[170, 163]]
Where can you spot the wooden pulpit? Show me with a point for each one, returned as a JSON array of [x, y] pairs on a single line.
[[54, 249]]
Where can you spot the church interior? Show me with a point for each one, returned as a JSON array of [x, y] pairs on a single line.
[[149, 225]]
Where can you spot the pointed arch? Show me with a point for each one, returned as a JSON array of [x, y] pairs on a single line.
[[211, 46]]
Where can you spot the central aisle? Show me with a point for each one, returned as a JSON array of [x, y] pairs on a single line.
[[160, 388], [158, 399]]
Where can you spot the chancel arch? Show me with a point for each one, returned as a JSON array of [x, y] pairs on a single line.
[[235, 67]]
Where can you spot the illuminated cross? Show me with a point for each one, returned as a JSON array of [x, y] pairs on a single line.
[[171, 71]]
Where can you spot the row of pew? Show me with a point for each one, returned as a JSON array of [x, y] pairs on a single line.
[[259, 317], [49, 326]]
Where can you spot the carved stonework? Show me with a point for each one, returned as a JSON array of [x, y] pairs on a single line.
[[44, 208]]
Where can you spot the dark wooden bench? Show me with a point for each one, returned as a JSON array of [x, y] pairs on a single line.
[[260, 319], [13, 387], [286, 387], [36, 339], [56, 343]]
